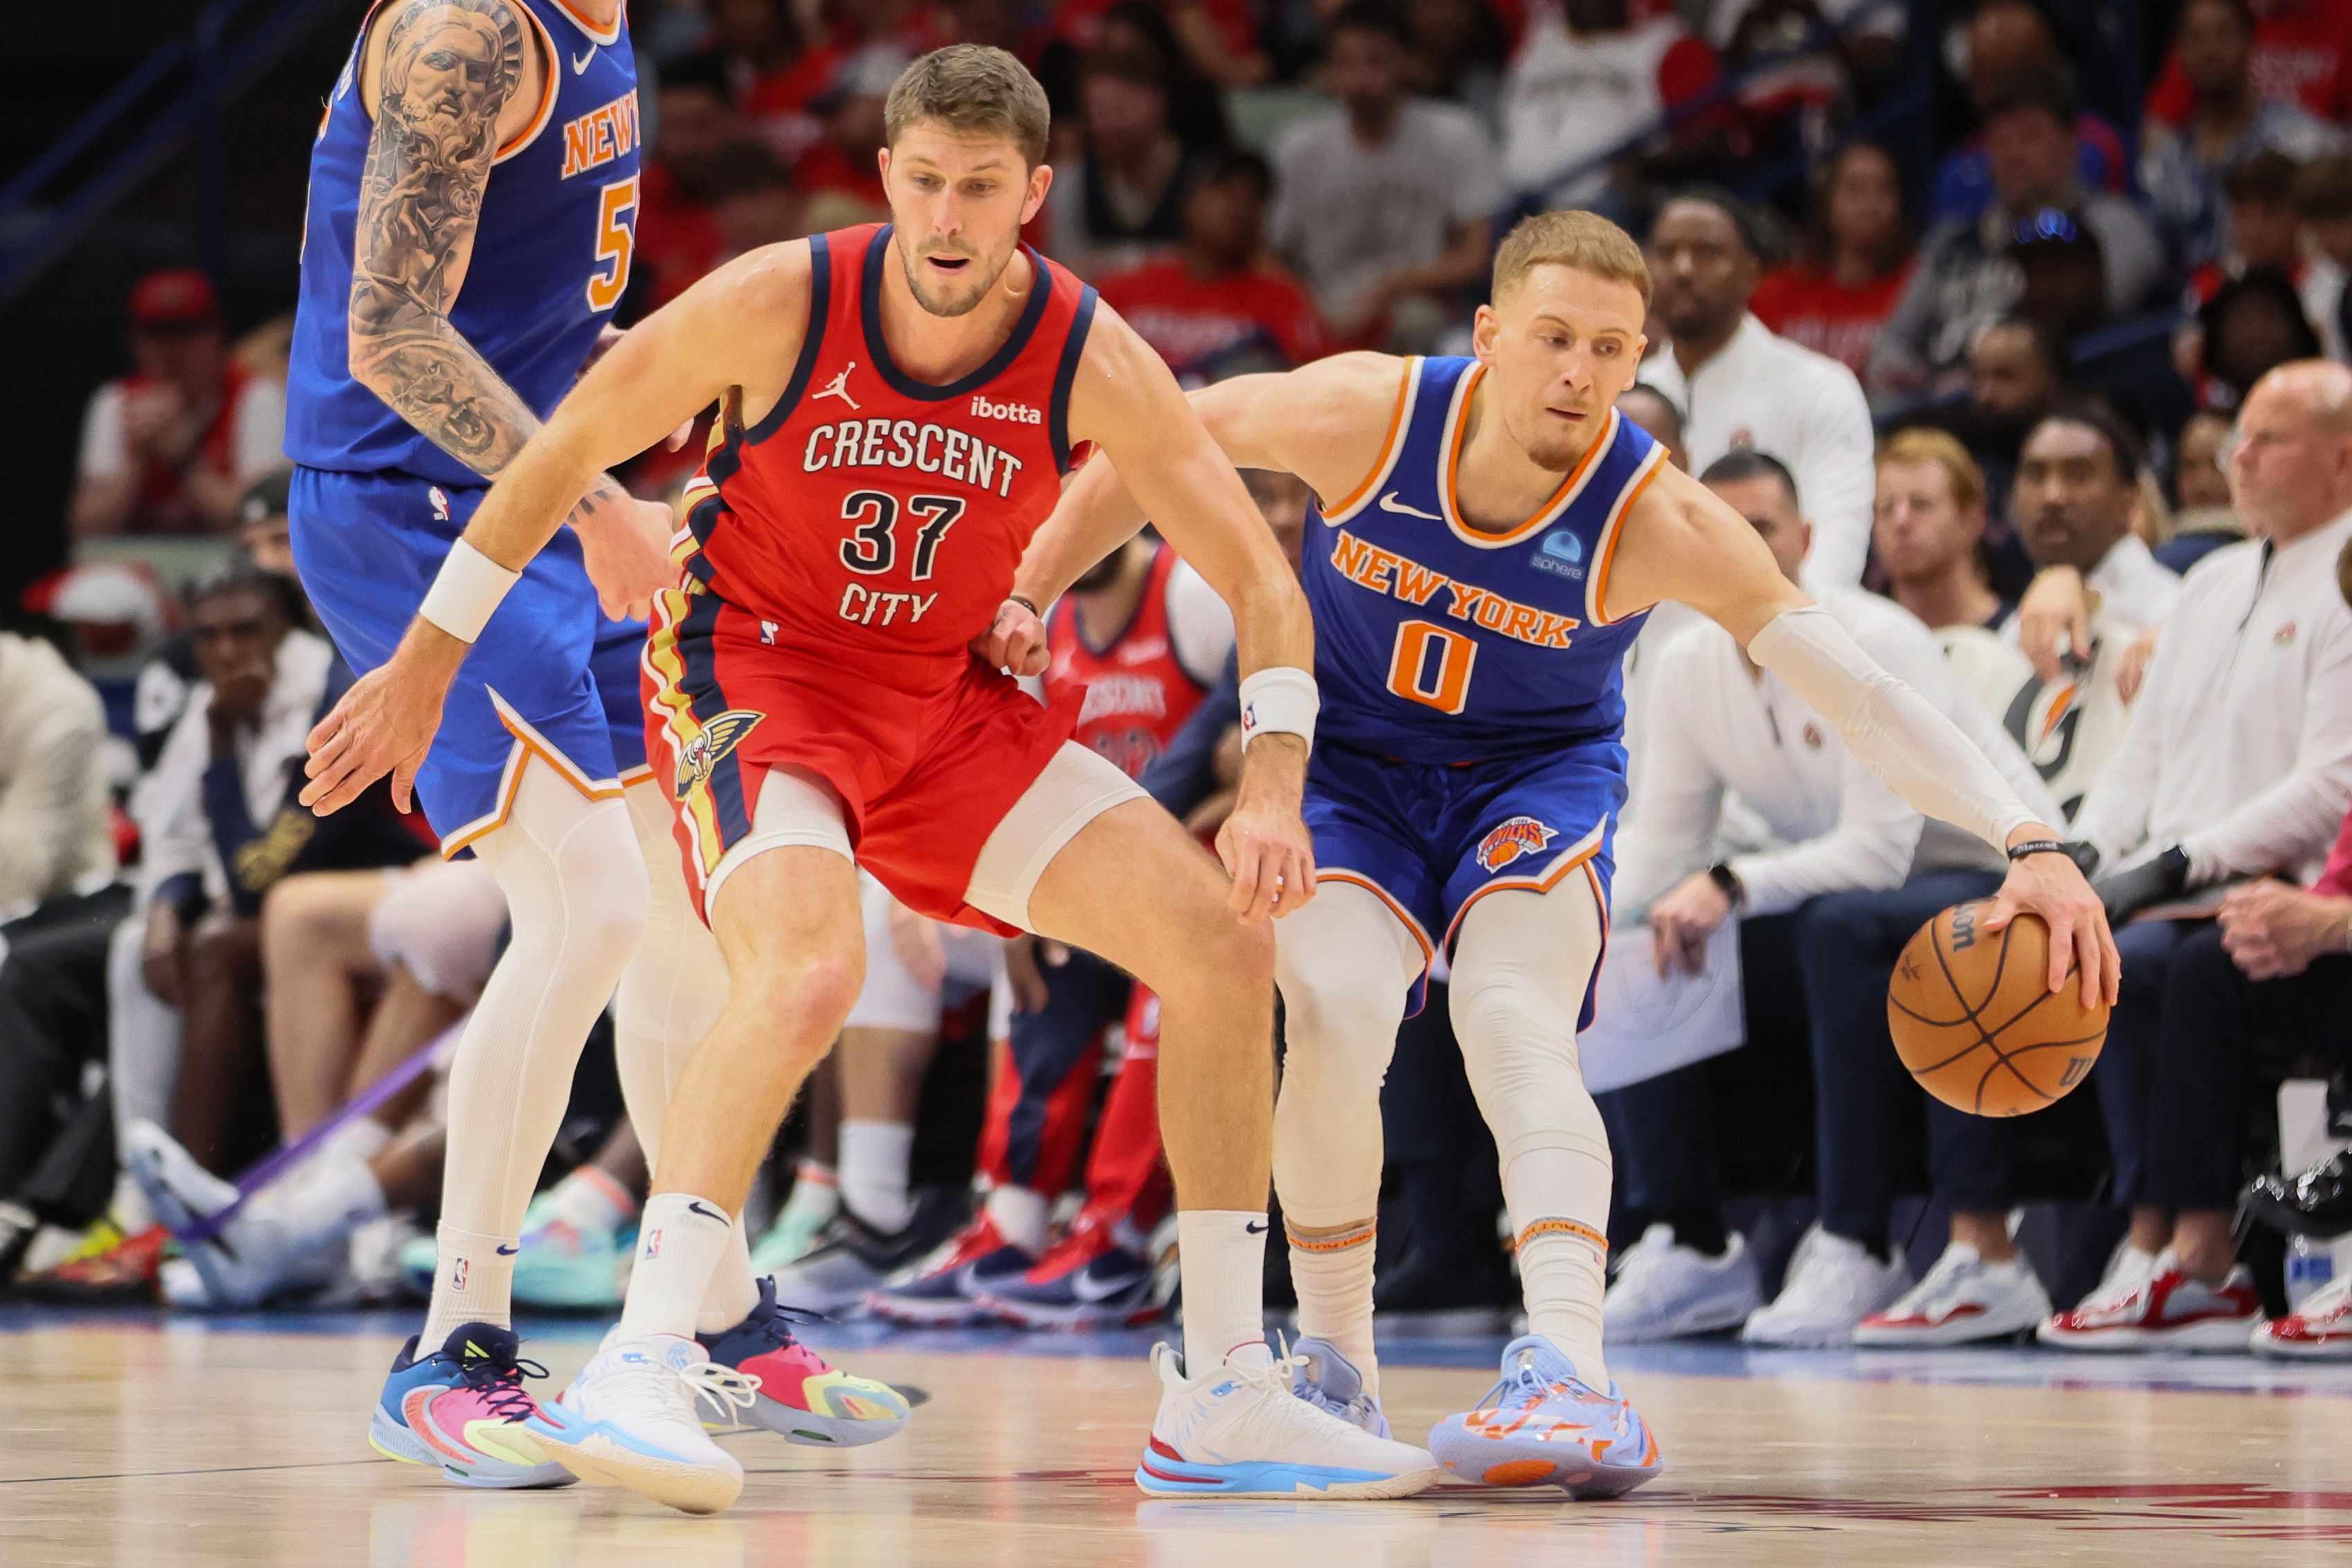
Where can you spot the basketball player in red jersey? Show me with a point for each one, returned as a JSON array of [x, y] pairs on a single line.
[[900, 401]]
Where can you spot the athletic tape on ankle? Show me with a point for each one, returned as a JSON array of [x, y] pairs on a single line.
[[1280, 700], [1345, 1240], [1569, 1227], [465, 591]]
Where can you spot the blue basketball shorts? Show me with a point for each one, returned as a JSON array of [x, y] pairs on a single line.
[[550, 675], [1431, 839]]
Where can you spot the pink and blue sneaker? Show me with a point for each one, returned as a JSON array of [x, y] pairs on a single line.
[[461, 1408], [800, 1397], [1542, 1425]]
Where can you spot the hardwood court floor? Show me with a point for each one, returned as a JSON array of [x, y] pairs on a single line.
[[159, 1445]]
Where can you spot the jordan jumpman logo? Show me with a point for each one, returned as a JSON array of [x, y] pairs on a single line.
[[839, 386]]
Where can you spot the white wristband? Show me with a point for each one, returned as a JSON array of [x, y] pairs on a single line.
[[1280, 700], [468, 588]]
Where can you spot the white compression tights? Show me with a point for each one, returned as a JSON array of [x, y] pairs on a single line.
[[670, 994], [1521, 960], [575, 888]]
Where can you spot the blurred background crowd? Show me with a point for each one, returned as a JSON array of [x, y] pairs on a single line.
[[1966, 307]]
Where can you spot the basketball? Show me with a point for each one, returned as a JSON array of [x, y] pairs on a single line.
[[1975, 1020]]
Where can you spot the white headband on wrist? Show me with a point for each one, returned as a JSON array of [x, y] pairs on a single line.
[[1282, 700], [467, 589]]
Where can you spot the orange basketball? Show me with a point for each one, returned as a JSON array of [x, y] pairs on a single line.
[[1975, 1020]]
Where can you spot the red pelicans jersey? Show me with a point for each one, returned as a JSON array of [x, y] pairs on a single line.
[[844, 552], [1137, 693], [872, 514]]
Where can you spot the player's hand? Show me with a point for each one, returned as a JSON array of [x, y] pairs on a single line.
[[1024, 960], [916, 940], [384, 724], [1265, 847], [2053, 886], [2053, 620], [1015, 640], [624, 544], [2273, 931], [1682, 922]]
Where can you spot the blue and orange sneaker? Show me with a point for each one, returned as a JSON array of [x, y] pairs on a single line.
[[947, 1292], [1543, 1425], [800, 1397], [461, 1408]]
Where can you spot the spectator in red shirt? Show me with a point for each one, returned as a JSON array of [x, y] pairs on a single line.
[[678, 237], [2299, 51], [1857, 261], [1218, 38], [775, 71], [1219, 307], [846, 160], [170, 447]]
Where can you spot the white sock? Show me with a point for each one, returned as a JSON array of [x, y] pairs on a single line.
[[361, 1137], [1222, 1254], [678, 1246], [473, 1283], [733, 1289], [339, 1196], [589, 1200], [1563, 1260], [1020, 1214], [1334, 1277], [874, 1172], [816, 1195]]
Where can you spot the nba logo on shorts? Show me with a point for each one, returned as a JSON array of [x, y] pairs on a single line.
[[1519, 836]]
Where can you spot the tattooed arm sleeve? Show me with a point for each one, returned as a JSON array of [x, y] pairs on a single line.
[[449, 66]]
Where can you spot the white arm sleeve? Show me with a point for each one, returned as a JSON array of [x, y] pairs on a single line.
[[1917, 751]]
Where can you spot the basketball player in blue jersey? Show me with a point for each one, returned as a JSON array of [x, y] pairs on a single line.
[[1492, 536], [472, 210]]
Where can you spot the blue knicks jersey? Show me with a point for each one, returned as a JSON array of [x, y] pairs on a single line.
[[550, 254], [1437, 642]]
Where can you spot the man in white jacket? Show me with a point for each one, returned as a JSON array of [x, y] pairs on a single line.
[[1834, 830], [53, 821]]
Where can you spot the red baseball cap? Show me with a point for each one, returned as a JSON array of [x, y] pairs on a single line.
[[174, 297]]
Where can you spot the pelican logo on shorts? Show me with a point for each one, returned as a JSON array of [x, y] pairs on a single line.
[[1519, 836], [720, 736], [1561, 553]]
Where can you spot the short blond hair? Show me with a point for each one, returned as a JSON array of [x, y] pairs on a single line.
[[1921, 444], [1585, 241], [970, 87]]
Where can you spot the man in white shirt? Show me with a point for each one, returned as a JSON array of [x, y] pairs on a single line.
[[2237, 763], [1835, 831], [2077, 483], [1383, 202], [53, 822], [1738, 385]]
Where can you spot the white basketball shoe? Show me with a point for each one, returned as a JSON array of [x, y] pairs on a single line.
[[1832, 1285], [1665, 1290], [631, 1419], [1962, 1300], [1238, 1431]]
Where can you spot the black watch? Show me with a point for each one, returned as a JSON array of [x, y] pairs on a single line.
[[1723, 877], [2085, 855]]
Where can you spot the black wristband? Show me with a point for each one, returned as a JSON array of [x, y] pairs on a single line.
[[1727, 878], [2039, 847], [1026, 603]]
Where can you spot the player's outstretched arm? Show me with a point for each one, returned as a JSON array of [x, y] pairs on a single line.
[[1683, 542], [739, 328]]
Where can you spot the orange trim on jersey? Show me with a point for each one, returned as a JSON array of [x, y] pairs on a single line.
[[609, 35], [1459, 417], [1381, 465], [1357, 879], [551, 80], [529, 743], [1596, 588], [1581, 853], [680, 727]]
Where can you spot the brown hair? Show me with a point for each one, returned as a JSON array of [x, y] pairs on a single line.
[[969, 88], [1585, 241], [2323, 188], [1921, 444]]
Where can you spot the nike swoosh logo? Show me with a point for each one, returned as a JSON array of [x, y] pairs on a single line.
[[509, 1251], [1089, 1289], [1258, 1229], [1389, 502], [580, 63], [706, 1213]]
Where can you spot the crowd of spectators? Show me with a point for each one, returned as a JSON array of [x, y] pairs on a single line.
[[2015, 412]]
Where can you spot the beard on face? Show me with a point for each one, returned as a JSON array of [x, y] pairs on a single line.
[[964, 295], [1101, 575]]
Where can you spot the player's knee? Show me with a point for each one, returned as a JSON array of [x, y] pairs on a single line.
[[804, 995]]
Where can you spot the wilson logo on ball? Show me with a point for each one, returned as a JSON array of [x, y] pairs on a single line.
[[1519, 836]]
